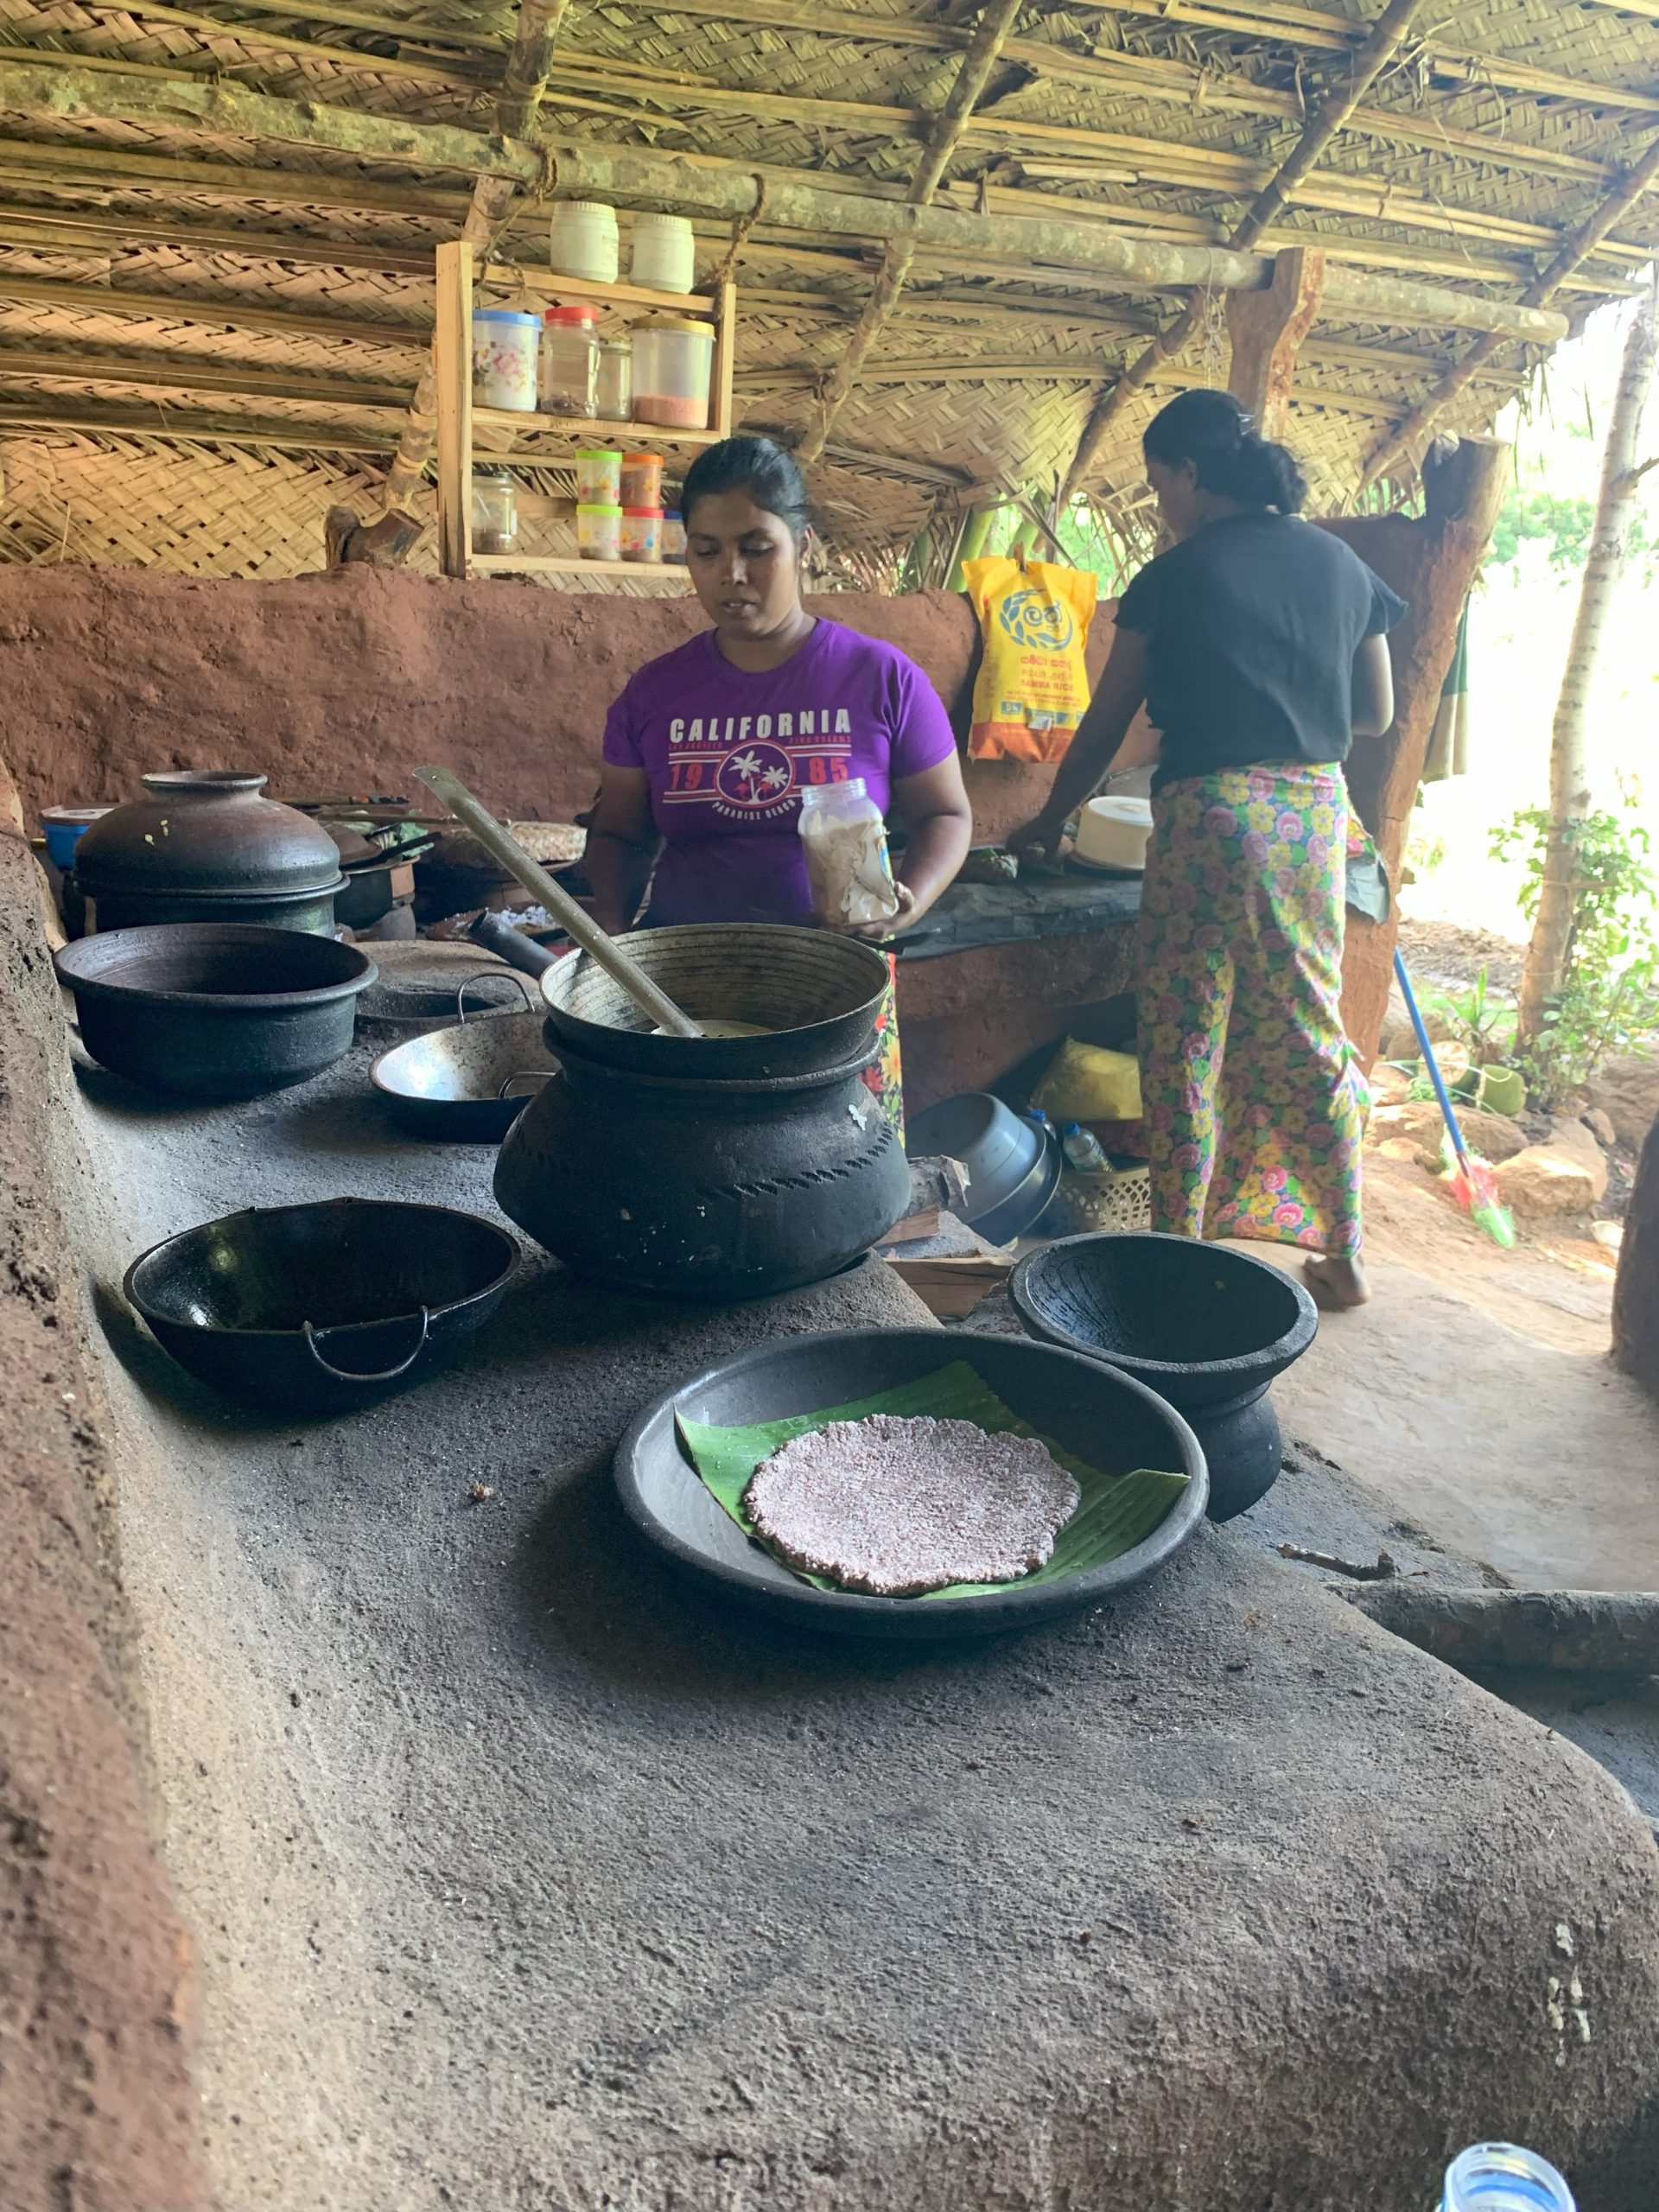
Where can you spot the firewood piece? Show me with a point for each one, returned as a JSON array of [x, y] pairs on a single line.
[[1558, 1631], [1356, 1570]]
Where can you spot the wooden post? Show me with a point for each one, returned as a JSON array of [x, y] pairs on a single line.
[[452, 343], [1431, 560], [725, 359], [1267, 330]]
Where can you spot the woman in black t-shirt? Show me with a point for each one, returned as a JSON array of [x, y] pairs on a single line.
[[1257, 644]]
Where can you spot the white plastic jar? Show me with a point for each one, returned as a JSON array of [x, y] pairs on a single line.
[[673, 370], [582, 241], [599, 533], [570, 372], [664, 253], [505, 343]]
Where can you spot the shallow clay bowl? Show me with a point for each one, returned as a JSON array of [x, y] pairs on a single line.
[[447, 1083], [1108, 1419]]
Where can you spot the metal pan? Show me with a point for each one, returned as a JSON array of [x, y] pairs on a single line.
[[467, 1085]]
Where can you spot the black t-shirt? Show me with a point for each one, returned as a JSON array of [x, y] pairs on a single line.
[[1251, 628]]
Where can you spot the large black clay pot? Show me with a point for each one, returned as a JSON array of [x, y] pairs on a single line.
[[1207, 1329], [215, 1010], [203, 845], [698, 1189]]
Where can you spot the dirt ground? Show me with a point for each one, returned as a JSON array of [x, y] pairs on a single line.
[[1478, 1391]]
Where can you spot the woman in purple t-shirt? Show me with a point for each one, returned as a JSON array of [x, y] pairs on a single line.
[[708, 748]]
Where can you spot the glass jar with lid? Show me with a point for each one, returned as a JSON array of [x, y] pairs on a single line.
[[494, 511], [569, 365]]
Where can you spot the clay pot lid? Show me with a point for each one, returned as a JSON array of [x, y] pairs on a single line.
[[209, 830]]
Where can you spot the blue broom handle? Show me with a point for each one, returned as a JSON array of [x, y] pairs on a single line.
[[1431, 1063]]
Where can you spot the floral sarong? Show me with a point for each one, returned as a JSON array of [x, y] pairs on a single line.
[[1254, 1098], [884, 1078]]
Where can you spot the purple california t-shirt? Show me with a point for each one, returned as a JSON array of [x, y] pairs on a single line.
[[729, 751]]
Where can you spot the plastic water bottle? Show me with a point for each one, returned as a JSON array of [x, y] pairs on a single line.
[[1502, 2178], [1082, 1148]]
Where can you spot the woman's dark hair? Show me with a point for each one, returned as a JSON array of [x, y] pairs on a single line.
[[1212, 430], [756, 466]]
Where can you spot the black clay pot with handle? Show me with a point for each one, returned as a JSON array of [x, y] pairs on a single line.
[[205, 845], [1208, 1329]]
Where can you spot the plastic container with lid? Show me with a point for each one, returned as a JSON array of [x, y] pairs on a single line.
[[569, 378], [664, 253], [599, 533], [673, 535], [503, 358], [582, 241], [642, 533], [642, 480], [599, 477], [1114, 833], [1502, 2178], [673, 370], [844, 840], [615, 402], [494, 511]]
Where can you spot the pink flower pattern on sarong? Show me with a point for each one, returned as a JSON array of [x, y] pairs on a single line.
[[1254, 1099]]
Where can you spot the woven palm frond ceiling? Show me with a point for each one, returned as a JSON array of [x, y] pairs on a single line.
[[218, 222]]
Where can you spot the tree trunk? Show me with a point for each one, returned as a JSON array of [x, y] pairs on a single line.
[[1569, 774]]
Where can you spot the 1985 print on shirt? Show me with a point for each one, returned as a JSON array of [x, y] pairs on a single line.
[[728, 753]]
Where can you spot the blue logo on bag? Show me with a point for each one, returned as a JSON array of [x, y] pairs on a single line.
[[1032, 618]]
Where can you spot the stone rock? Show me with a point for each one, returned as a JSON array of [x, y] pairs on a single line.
[[1547, 1180], [1399, 1038], [1574, 1137], [1635, 1291], [1600, 1126], [1494, 1136], [1390, 1086], [1627, 1090]]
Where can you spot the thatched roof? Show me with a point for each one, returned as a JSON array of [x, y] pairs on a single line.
[[217, 223]]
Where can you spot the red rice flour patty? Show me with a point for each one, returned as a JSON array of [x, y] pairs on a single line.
[[892, 1507]]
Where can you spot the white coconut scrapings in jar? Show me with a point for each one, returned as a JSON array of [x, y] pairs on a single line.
[[894, 1507]]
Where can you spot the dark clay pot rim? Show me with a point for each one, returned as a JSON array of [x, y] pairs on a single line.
[[152, 1315], [135, 995], [1278, 1353], [1014, 1606], [729, 1086], [158, 893]]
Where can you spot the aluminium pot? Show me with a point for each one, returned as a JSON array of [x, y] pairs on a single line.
[[215, 1010], [321, 1307], [1207, 1328], [204, 845]]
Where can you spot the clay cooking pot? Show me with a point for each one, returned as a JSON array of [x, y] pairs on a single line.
[[204, 846]]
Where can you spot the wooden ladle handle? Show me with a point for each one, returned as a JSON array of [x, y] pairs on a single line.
[[646, 995]]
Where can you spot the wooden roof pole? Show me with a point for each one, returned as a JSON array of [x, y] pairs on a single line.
[[1387, 37], [1538, 294], [522, 84], [796, 199], [990, 33]]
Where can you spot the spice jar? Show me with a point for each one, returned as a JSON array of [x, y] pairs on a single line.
[[599, 478], [582, 241], [569, 362], [615, 402], [494, 511], [673, 369], [503, 358], [642, 533], [599, 533], [642, 480], [673, 535], [664, 253]]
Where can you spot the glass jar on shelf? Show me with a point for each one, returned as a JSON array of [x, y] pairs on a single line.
[[494, 511], [615, 403], [673, 370], [569, 365]]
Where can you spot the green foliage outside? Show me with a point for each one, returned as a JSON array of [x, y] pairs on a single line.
[[1609, 1002]]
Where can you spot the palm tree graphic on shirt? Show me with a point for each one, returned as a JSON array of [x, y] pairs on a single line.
[[756, 778]]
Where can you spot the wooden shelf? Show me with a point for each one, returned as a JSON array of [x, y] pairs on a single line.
[[459, 420], [573, 564], [637, 435], [550, 287]]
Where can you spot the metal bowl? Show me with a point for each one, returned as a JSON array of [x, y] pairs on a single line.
[[1110, 1419], [318, 1308], [1012, 1166], [462, 1084]]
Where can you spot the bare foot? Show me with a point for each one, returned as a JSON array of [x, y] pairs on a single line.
[[1336, 1284]]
